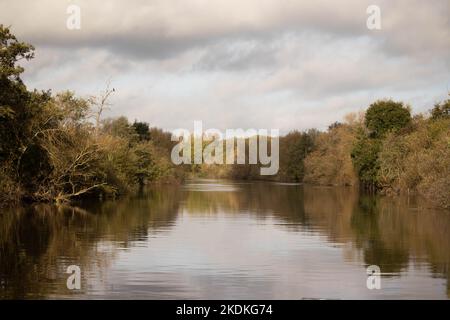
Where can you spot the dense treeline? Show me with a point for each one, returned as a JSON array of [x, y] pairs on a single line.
[[293, 148], [57, 147], [385, 149], [388, 150]]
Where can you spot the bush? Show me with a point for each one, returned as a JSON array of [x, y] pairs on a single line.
[[365, 159], [418, 161], [10, 191], [330, 163]]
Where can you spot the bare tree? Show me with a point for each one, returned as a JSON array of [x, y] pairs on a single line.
[[101, 104], [75, 158]]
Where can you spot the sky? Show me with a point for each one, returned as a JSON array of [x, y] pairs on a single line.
[[273, 64]]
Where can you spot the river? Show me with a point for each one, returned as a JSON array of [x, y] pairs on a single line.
[[214, 239]]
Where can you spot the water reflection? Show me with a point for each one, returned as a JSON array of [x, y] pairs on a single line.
[[219, 239]]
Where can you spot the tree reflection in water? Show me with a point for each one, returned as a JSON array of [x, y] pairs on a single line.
[[38, 243]]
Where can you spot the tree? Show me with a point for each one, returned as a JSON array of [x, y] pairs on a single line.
[[75, 157], [120, 127], [365, 158], [441, 110], [294, 147], [142, 129], [382, 117], [386, 115], [21, 116], [57, 148], [335, 125], [102, 104], [12, 51], [14, 97], [330, 162], [418, 160]]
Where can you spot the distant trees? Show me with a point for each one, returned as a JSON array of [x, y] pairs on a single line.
[[142, 129], [383, 149], [441, 110], [119, 128], [294, 147]]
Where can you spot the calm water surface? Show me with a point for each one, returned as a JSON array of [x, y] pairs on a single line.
[[226, 240]]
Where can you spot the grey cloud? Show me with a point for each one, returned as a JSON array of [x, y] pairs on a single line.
[[238, 56], [162, 28]]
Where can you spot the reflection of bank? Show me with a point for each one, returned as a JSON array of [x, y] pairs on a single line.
[[37, 244], [388, 232]]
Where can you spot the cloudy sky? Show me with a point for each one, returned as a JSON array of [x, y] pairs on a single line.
[[287, 64]]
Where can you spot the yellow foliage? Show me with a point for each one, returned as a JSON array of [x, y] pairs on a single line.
[[330, 163], [418, 161]]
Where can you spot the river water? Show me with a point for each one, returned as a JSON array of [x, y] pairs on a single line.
[[213, 239]]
